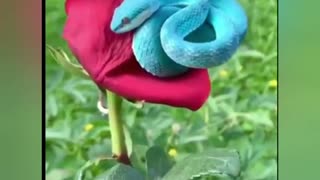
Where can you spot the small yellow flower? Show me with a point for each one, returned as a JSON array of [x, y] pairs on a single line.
[[172, 152], [273, 83], [88, 127], [223, 73]]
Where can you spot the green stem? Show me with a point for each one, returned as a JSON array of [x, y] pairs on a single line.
[[119, 148]]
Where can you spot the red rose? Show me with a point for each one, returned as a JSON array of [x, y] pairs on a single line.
[[109, 60]]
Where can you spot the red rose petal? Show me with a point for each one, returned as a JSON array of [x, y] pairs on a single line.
[[109, 59]]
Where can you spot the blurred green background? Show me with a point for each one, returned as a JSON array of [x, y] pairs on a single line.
[[299, 87], [241, 112], [20, 99]]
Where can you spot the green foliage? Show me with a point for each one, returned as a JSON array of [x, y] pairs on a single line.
[[240, 113], [218, 162], [158, 163], [211, 163], [122, 172], [62, 59]]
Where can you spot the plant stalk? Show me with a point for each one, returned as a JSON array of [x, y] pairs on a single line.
[[119, 148]]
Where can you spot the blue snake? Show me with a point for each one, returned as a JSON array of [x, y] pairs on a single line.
[[172, 36]]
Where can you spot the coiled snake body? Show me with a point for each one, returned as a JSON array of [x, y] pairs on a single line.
[[173, 36]]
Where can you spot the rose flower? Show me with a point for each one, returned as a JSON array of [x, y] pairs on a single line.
[[108, 58]]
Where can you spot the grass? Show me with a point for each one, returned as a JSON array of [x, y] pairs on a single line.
[[241, 112]]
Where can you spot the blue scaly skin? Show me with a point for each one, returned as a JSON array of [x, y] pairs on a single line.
[[173, 36]]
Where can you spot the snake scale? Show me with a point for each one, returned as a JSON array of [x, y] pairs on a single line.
[[172, 36]]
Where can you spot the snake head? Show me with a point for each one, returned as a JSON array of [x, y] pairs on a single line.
[[132, 13]]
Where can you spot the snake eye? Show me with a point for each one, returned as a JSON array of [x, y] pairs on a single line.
[[125, 20]]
